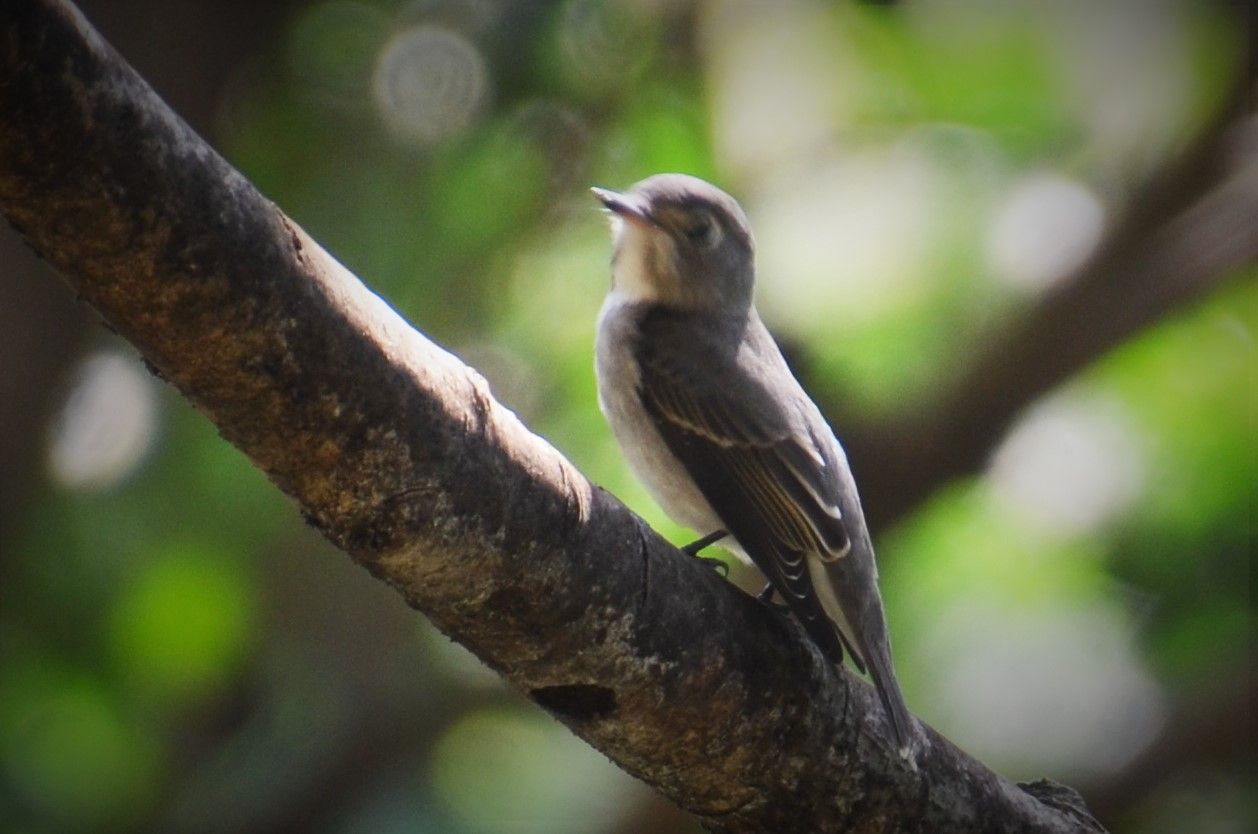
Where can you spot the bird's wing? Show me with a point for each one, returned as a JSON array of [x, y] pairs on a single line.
[[765, 478]]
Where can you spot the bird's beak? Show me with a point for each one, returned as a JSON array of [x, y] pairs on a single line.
[[623, 205]]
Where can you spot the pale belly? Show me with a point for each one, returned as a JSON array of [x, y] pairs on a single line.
[[645, 451]]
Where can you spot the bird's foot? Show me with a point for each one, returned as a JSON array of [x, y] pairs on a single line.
[[694, 547], [766, 597], [716, 564]]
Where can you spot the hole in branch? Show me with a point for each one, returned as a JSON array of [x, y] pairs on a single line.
[[579, 701]]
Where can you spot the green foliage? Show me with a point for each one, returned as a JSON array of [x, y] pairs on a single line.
[[68, 752], [183, 624], [989, 69]]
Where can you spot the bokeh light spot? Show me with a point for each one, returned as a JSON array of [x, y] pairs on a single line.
[[775, 77], [430, 84], [106, 425], [183, 625], [1070, 465], [846, 242], [67, 751], [524, 773], [1044, 230], [1047, 690]]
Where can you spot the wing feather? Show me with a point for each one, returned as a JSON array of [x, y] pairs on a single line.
[[767, 484]]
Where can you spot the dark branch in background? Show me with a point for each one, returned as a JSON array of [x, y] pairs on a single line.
[[398, 454], [1185, 232], [1211, 730]]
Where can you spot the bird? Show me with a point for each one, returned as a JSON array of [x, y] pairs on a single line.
[[715, 425]]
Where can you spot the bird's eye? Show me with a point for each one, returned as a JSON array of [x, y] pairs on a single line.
[[699, 231]]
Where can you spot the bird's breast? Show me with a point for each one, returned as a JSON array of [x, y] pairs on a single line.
[[650, 459]]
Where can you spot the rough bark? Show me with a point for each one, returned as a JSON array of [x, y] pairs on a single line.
[[398, 454]]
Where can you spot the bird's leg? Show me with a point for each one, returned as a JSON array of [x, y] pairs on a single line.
[[694, 547]]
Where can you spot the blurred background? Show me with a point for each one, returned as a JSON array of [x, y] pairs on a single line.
[[1064, 501]]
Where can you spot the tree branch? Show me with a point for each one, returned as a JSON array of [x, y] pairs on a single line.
[[398, 454]]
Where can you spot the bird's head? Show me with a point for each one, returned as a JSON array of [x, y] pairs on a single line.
[[681, 242]]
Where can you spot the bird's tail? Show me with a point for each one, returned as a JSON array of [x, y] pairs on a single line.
[[865, 637], [877, 657]]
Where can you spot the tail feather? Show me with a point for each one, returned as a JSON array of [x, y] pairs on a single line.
[[861, 627], [903, 724]]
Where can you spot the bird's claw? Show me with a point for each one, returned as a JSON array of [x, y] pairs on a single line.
[[766, 597], [716, 564], [694, 547]]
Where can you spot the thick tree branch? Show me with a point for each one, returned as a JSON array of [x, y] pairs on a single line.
[[1184, 233], [398, 454]]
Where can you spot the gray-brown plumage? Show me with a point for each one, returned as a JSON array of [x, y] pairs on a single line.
[[713, 422]]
